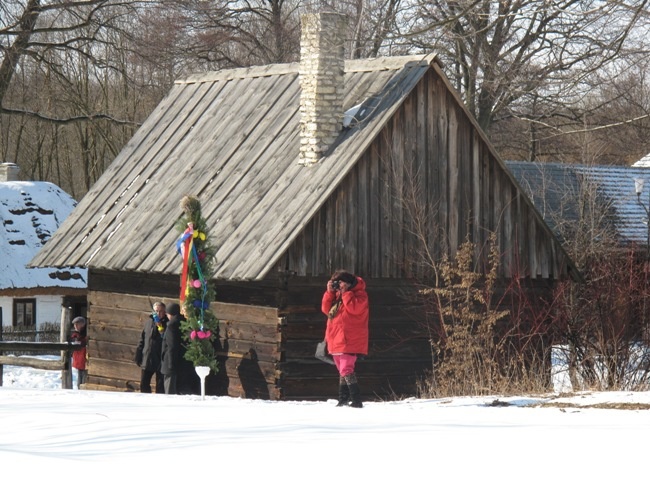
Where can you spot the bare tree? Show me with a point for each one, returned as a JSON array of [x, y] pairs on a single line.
[[35, 29], [70, 92], [498, 52], [608, 124], [374, 26], [226, 33]]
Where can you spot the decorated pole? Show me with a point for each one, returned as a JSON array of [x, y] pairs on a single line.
[[200, 327]]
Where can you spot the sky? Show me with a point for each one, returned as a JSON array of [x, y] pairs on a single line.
[[49, 435]]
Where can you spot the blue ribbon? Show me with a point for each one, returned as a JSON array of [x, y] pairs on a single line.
[[202, 304]]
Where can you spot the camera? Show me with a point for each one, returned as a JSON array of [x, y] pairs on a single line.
[[336, 285]]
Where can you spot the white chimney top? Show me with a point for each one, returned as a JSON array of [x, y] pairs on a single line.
[[9, 172]]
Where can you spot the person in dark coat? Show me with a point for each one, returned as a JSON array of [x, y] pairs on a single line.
[[171, 348], [345, 302], [149, 350]]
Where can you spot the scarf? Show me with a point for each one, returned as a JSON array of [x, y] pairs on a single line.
[[334, 309]]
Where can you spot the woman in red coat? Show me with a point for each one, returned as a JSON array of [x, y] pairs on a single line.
[[346, 305]]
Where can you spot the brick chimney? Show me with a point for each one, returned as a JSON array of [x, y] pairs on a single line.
[[9, 172], [322, 65]]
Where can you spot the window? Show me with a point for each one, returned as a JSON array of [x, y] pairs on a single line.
[[25, 313]]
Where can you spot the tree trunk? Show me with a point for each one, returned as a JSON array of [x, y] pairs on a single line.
[[19, 46]]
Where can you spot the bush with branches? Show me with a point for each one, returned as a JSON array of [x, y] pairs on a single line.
[[487, 335]]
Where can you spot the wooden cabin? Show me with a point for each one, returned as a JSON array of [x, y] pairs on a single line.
[[288, 200]]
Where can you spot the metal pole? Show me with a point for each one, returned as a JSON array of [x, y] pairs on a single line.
[[638, 187]]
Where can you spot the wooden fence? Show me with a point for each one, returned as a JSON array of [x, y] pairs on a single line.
[[64, 348]]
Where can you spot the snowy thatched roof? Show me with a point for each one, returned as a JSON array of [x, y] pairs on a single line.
[[30, 213]]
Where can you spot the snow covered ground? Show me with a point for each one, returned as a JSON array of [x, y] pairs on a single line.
[[54, 436]]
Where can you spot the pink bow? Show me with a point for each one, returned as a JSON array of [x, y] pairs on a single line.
[[200, 334]]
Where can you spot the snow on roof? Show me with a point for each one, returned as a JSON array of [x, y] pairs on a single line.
[[555, 190], [30, 213], [644, 162]]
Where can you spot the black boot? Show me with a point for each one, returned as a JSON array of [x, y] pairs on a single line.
[[344, 393], [353, 387]]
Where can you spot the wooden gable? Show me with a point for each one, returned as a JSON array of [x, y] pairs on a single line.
[[429, 178]]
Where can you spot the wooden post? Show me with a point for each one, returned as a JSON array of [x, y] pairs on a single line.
[[66, 372], [1, 367]]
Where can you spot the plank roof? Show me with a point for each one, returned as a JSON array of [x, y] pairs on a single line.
[[556, 188], [231, 138]]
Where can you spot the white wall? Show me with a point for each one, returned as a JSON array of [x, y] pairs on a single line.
[[7, 309], [48, 309]]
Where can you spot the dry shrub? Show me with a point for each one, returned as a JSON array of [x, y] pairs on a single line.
[[481, 342]]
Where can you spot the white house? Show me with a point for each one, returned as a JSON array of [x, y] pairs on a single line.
[[30, 212]]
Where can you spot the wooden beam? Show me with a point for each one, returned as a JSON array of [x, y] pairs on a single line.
[[53, 347], [23, 361]]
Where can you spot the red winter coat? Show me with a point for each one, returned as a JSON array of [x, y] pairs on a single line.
[[347, 331], [79, 356]]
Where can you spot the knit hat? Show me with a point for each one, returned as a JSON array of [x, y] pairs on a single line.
[[174, 309]]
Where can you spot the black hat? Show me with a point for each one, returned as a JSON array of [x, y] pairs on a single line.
[[174, 309], [343, 275]]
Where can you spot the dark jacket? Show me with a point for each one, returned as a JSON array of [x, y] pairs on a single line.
[[149, 350], [171, 347], [347, 329]]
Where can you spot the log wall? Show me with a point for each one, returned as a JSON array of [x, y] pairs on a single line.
[[248, 346], [399, 352], [264, 351], [120, 302]]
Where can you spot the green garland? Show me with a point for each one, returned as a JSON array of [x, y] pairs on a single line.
[[200, 327]]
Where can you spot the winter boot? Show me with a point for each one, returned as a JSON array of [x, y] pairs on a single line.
[[353, 387], [344, 393]]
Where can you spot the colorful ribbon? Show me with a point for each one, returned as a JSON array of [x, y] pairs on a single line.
[[202, 306], [184, 247], [187, 250]]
